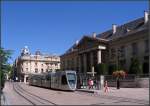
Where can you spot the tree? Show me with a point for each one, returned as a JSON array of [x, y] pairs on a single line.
[[112, 68], [119, 74], [102, 69], [4, 56], [135, 67]]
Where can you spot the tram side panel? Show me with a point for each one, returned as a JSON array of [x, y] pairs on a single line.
[[47, 81], [59, 80], [64, 84], [53, 81]]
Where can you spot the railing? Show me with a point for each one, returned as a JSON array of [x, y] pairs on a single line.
[[83, 79], [130, 77], [143, 76]]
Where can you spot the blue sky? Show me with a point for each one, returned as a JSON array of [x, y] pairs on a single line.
[[53, 27]]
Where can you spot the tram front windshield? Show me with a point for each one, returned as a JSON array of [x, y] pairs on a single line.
[[71, 78]]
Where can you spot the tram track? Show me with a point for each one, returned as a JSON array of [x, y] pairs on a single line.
[[30, 97]]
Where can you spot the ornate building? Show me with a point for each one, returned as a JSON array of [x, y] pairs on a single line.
[[117, 46], [28, 63]]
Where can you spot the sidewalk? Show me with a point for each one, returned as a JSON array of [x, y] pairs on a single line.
[[101, 91], [133, 93], [3, 99]]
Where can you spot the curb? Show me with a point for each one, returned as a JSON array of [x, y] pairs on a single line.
[[82, 90]]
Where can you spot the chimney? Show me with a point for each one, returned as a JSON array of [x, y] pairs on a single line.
[[94, 35], [114, 28], [77, 42], [145, 17]]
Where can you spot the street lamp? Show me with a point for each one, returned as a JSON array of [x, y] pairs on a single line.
[[118, 82]]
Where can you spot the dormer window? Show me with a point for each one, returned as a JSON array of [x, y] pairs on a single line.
[[139, 25]]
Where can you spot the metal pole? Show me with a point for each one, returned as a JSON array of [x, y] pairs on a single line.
[[118, 59]]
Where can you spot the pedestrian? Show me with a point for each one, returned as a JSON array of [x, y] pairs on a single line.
[[89, 83], [118, 84], [92, 83], [106, 86]]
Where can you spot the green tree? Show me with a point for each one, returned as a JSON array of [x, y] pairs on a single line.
[[10, 71], [112, 68], [4, 56], [135, 67], [102, 69]]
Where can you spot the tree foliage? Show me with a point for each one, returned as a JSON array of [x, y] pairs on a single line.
[[102, 69], [119, 74], [135, 67], [112, 68], [4, 65]]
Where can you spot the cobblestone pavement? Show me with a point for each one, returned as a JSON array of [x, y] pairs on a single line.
[[123, 96]]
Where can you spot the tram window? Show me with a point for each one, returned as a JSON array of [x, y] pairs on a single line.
[[64, 80], [47, 77]]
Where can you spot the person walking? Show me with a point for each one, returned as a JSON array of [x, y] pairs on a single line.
[[106, 86], [90, 83]]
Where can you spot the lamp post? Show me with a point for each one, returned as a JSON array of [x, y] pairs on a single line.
[[119, 51], [118, 82]]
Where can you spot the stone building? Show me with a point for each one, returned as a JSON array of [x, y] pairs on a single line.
[[116, 46], [29, 63]]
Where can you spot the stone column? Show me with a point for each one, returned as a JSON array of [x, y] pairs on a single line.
[[91, 60], [25, 76], [65, 64], [85, 63], [99, 56], [79, 63], [93, 72]]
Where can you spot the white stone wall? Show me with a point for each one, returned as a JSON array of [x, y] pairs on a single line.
[[29, 64], [127, 42]]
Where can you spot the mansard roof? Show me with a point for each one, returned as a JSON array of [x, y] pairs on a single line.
[[121, 31], [124, 29], [86, 37]]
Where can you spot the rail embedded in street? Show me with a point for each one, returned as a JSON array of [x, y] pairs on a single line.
[[30, 97]]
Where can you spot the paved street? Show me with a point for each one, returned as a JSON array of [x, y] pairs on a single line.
[[22, 94]]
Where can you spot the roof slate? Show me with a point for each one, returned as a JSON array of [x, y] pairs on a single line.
[[121, 31]]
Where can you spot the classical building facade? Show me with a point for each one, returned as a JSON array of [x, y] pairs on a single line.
[[117, 46], [29, 63]]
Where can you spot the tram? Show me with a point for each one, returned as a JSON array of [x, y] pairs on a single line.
[[62, 80]]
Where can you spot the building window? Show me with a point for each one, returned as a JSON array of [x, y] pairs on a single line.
[[26, 69], [112, 53], [122, 51], [26, 63], [51, 64], [134, 49], [36, 70], [36, 64], [42, 70], [42, 65], [146, 46]]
